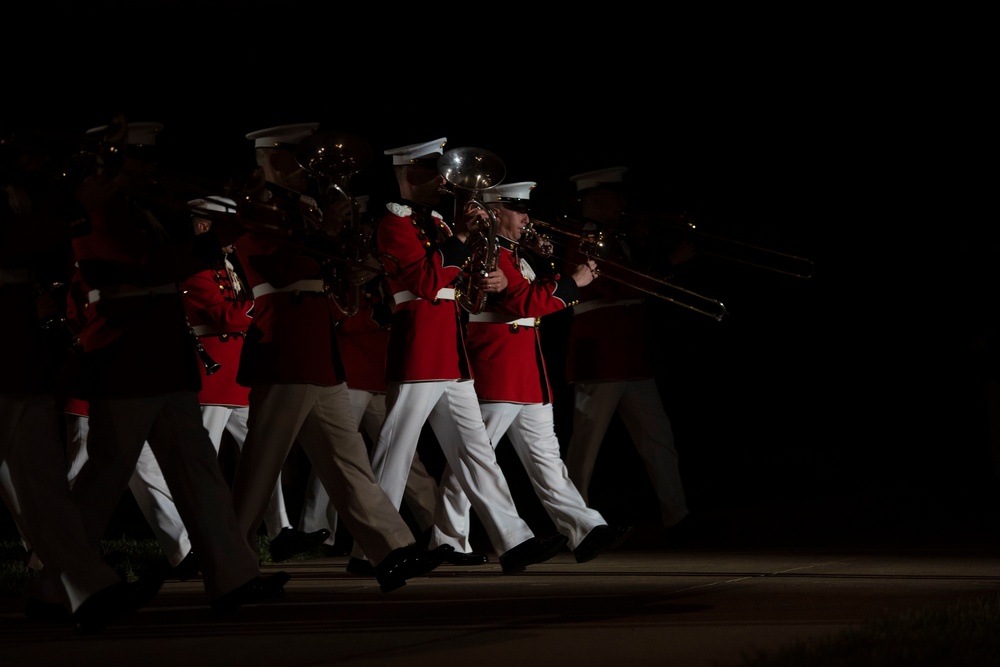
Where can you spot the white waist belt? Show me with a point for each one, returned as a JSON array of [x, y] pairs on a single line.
[[208, 330], [11, 276], [444, 294], [603, 303], [297, 286], [122, 291], [496, 318]]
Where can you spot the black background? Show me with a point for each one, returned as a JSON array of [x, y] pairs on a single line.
[[869, 380]]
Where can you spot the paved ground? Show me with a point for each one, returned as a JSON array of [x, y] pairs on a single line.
[[710, 604]]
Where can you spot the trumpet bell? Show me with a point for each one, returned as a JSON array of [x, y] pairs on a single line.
[[471, 168], [333, 153]]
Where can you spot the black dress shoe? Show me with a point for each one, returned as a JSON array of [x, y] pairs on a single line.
[[258, 589], [529, 552], [290, 542], [466, 558], [360, 567], [47, 612], [600, 538], [408, 562], [188, 568], [115, 601]]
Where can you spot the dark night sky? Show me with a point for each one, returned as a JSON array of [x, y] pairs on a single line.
[[871, 373]]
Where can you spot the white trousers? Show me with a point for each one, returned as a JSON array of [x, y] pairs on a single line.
[[452, 410], [38, 497], [421, 488], [531, 430], [320, 418], [172, 426], [641, 409]]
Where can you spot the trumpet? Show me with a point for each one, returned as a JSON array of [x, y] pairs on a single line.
[[590, 245], [469, 170]]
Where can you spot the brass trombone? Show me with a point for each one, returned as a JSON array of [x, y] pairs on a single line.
[[748, 254], [590, 245]]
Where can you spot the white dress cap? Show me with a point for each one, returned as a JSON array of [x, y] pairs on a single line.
[[213, 203], [139, 134], [281, 135], [592, 179], [413, 152], [511, 192]]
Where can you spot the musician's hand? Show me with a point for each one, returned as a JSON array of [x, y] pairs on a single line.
[[361, 274], [494, 281], [585, 273], [474, 219]]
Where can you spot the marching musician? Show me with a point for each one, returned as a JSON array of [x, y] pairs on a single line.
[[132, 258], [428, 375], [292, 364], [610, 360], [363, 338], [79, 586], [513, 386], [218, 311]]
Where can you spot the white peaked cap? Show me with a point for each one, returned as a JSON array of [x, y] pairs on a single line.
[[213, 203], [592, 179], [139, 134], [281, 135], [512, 192], [414, 152]]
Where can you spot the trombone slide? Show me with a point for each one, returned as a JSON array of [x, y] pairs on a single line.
[[588, 246]]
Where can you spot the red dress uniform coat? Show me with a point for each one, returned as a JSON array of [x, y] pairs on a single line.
[[610, 334], [507, 358], [363, 339], [420, 257], [291, 339], [220, 318], [135, 341]]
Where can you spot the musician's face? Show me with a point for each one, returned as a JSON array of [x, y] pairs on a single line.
[[604, 206], [510, 221], [425, 184], [284, 170]]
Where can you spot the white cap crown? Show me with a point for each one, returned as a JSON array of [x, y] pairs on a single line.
[[213, 203], [281, 135], [509, 192], [139, 134], [414, 152], [592, 179]]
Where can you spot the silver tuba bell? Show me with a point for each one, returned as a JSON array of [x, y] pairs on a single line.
[[469, 171]]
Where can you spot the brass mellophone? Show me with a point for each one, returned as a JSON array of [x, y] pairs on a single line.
[[468, 171]]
